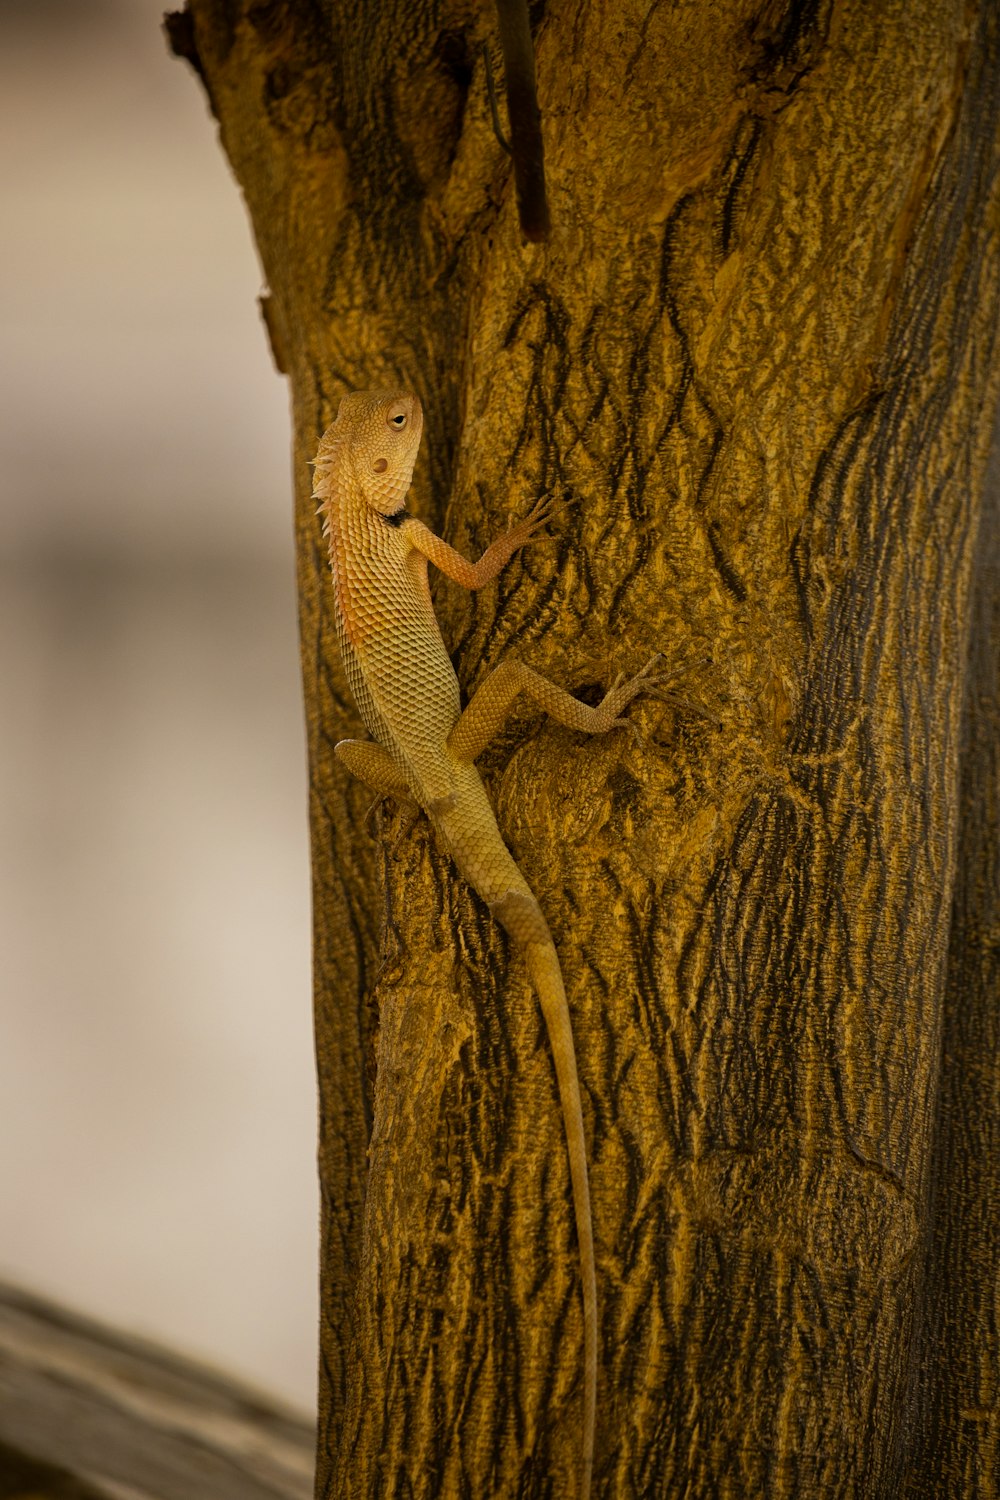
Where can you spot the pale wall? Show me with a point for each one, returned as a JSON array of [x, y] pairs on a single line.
[[156, 1076]]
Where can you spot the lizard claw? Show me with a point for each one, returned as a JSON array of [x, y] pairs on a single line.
[[663, 695], [544, 510], [622, 691], [370, 815], [633, 729]]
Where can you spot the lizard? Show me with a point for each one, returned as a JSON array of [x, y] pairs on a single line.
[[424, 746]]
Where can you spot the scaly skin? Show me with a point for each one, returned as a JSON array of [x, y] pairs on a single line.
[[408, 695]]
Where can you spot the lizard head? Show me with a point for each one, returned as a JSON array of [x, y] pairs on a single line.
[[371, 448]]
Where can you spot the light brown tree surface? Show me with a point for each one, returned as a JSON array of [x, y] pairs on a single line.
[[760, 349]]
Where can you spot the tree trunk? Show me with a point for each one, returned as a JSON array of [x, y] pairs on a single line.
[[759, 351]]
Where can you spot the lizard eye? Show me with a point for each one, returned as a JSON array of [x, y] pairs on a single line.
[[397, 419]]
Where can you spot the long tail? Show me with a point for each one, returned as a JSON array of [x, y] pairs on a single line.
[[487, 864], [546, 976]]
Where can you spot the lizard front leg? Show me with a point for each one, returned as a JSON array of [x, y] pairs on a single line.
[[497, 555], [493, 700]]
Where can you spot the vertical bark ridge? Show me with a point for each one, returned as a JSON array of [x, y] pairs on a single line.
[[954, 1428]]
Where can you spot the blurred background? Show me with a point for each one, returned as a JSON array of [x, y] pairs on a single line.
[[157, 1109]]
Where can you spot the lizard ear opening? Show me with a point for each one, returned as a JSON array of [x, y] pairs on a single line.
[[380, 465]]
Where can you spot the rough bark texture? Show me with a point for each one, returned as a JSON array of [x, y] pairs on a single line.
[[956, 1446], [760, 349]]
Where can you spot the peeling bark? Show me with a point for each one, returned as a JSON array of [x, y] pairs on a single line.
[[760, 351]]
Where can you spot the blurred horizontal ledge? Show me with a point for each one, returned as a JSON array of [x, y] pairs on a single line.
[[123, 1419]]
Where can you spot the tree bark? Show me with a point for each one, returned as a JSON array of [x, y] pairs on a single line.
[[759, 350]]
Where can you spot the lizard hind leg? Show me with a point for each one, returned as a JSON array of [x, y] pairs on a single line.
[[374, 766], [493, 700]]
